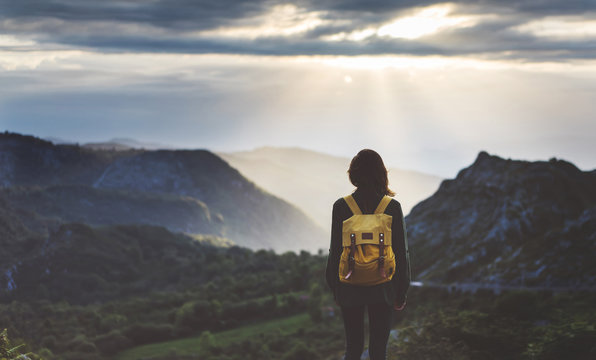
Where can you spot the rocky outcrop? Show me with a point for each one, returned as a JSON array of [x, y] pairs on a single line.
[[508, 222]]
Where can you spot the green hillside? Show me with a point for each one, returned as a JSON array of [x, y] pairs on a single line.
[[197, 346], [82, 264], [89, 292]]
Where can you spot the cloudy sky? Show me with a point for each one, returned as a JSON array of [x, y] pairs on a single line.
[[427, 84]]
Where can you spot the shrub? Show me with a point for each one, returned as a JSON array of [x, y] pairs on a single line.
[[80, 344], [185, 315], [48, 342], [207, 342], [46, 354], [113, 342]]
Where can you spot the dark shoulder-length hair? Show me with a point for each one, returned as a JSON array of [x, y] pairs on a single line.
[[368, 173]]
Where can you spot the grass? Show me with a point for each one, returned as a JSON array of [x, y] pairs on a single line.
[[191, 345]]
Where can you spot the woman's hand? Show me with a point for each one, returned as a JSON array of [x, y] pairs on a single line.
[[398, 307]]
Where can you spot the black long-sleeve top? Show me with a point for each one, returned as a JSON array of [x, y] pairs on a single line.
[[389, 292]]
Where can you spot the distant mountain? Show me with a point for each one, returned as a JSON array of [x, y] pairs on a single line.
[[108, 145], [112, 144], [508, 222], [185, 190], [58, 140], [125, 144], [313, 180]]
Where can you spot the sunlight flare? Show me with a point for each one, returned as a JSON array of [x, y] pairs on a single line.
[[426, 21]]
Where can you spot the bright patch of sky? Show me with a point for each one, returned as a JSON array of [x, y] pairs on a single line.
[[424, 21], [561, 27]]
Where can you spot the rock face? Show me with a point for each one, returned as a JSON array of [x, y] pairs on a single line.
[[508, 222], [192, 191]]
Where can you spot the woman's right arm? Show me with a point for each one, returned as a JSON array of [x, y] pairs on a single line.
[[332, 270], [399, 240]]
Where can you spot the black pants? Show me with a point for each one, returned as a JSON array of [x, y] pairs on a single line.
[[379, 320]]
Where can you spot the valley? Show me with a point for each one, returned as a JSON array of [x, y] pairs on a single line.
[[173, 254]]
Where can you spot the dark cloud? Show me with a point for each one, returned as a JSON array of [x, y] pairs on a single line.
[[545, 7], [164, 26], [370, 6], [175, 14]]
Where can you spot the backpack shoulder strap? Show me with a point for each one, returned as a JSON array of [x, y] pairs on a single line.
[[383, 204], [352, 204]]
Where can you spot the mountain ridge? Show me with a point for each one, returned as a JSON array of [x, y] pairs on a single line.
[[250, 216], [507, 221]]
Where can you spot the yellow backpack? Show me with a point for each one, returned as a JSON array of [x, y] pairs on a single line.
[[367, 257]]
